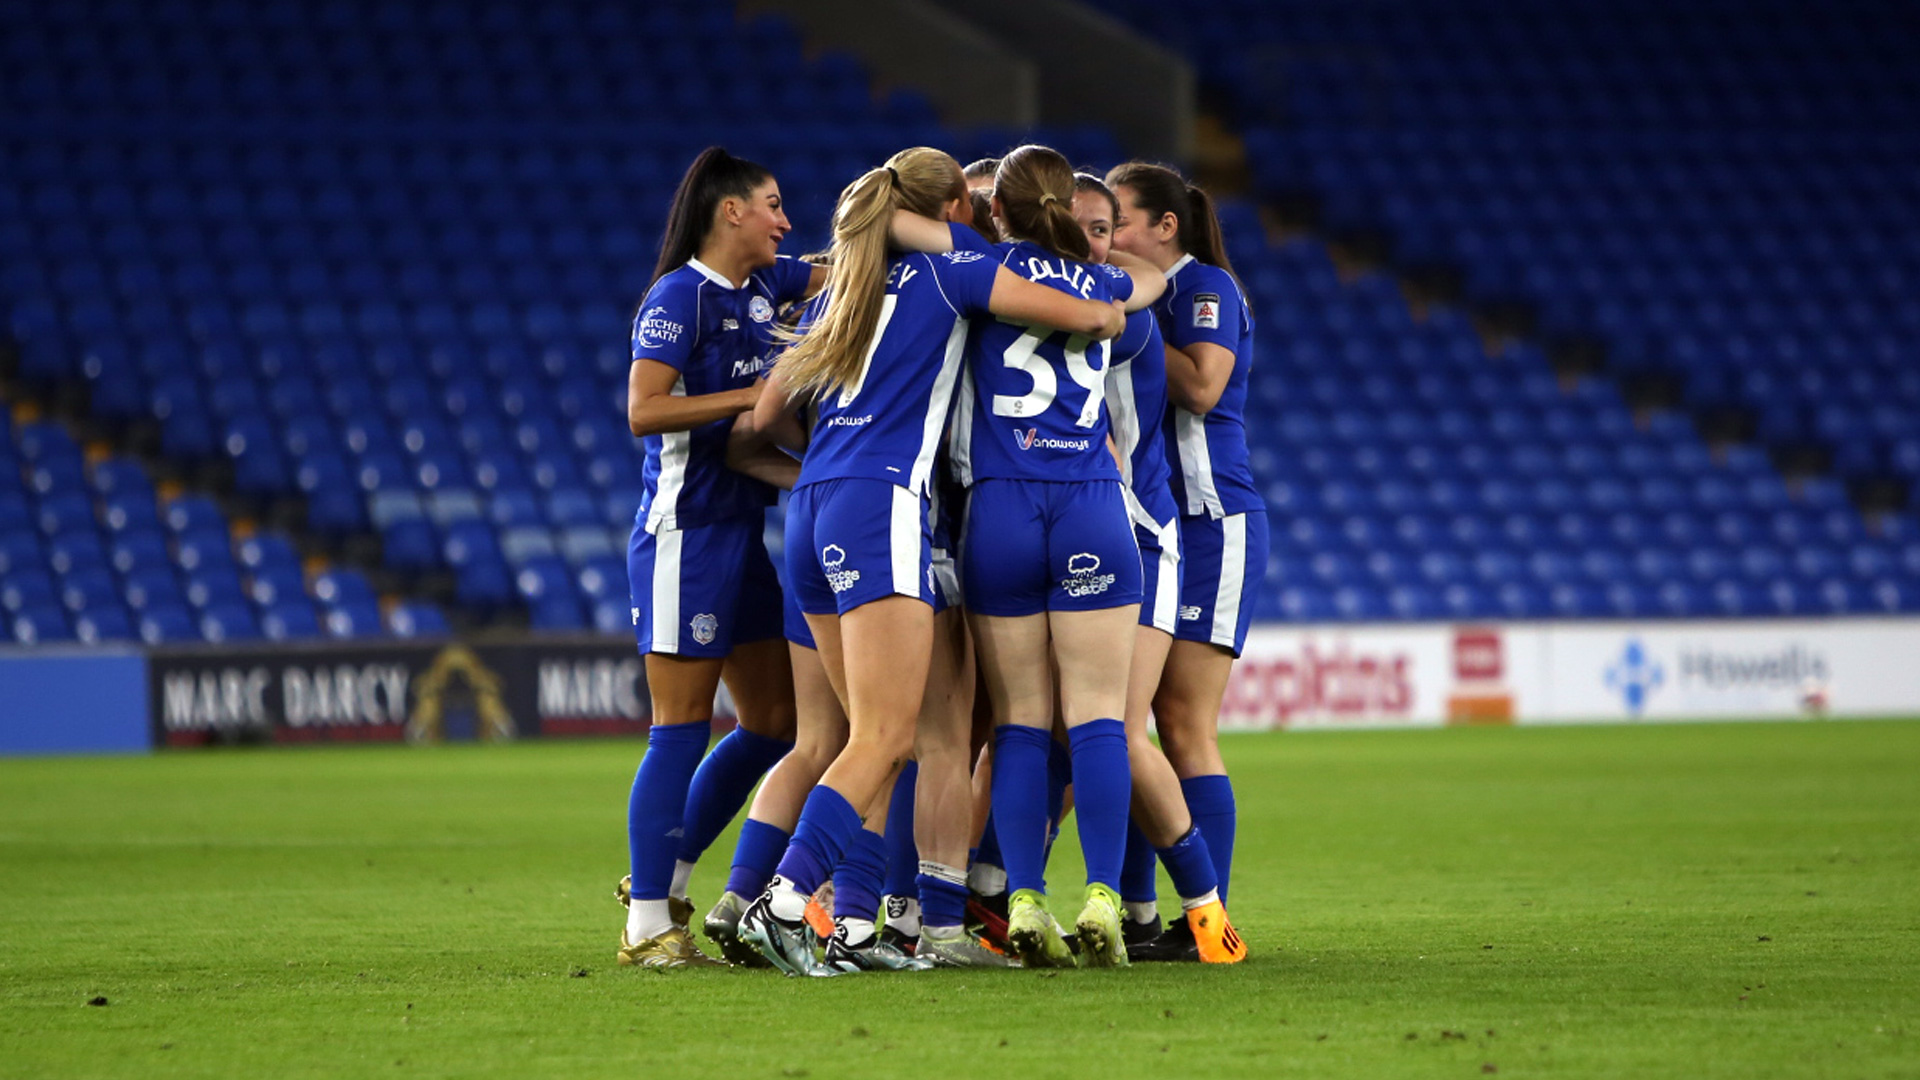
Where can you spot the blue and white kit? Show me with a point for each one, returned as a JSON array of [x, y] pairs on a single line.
[[1223, 524], [1137, 404], [697, 565], [1047, 524], [860, 522]]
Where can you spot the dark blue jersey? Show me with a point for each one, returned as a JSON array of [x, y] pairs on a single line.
[[1211, 473], [1036, 409], [887, 424], [1137, 406], [718, 338]]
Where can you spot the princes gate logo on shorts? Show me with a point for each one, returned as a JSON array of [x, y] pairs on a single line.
[[1084, 577], [832, 558], [1029, 439]]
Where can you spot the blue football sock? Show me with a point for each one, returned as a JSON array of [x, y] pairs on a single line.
[[1210, 801], [1137, 885], [1059, 775], [1020, 803], [657, 803], [828, 825], [903, 856], [1102, 792], [721, 785], [755, 856], [856, 881], [943, 900], [989, 850], [1189, 863]]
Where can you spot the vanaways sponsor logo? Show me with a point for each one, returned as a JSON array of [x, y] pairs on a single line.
[[655, 329], [1336, 684], [1029, 439]]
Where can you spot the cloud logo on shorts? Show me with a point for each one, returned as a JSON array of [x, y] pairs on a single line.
[[1083, 576], [833, 557], [705, 627]]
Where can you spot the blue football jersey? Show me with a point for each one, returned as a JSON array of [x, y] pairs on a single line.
[[718, 338], [1035, 403], [1211, 476], [1137, 407], [887, 424]]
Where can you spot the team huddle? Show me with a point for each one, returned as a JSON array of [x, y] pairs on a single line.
[[1008, 405]]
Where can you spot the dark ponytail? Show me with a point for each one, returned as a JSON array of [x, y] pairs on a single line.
[[713, 176], [1035, 187], [1160, 191]]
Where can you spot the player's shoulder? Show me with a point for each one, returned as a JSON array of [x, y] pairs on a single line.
[[1197, 276]]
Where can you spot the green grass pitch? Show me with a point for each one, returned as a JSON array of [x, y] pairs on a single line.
[[1734, 901]]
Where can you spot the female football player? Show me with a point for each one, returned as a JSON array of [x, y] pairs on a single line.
[[706, 603], [880, 360], [1208, 329], [1137, 402], [1049, 566]]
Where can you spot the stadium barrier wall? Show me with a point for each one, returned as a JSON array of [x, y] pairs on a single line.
[[1340, 676], [489, 690], [72, 701]]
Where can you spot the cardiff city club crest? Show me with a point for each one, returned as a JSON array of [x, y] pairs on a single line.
[[705, 627]]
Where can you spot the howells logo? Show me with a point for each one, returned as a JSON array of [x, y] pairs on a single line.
[[1635, 676]]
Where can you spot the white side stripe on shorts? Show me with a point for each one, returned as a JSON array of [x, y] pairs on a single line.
[[1166, 587], [903, 541], [1233, 576], [666, 590]]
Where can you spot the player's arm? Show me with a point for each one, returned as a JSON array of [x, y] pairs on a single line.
[[1016, 299], [1148, 282], [654, 409], [909, 231], [816, 280], [1198, 374], [773, 419], [767, 464]]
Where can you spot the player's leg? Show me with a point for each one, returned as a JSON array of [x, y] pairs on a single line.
[[683, 662], [1163, 825]]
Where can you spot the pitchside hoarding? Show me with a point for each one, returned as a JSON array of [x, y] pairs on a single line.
[[1382, 676], [392, 692]]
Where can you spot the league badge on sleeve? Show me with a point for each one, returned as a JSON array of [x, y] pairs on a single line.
[[1206, 311]]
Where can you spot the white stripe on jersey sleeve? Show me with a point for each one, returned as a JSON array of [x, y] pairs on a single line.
[[666, 591], [939, 406], [1233, 576], [1196, 463], [675, 448]]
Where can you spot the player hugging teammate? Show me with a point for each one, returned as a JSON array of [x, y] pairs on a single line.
[[1044, 400]]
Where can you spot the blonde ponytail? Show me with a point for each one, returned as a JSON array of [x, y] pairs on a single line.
[[828, 357]]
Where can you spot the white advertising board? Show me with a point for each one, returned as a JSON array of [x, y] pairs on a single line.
[[1343, 676]]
